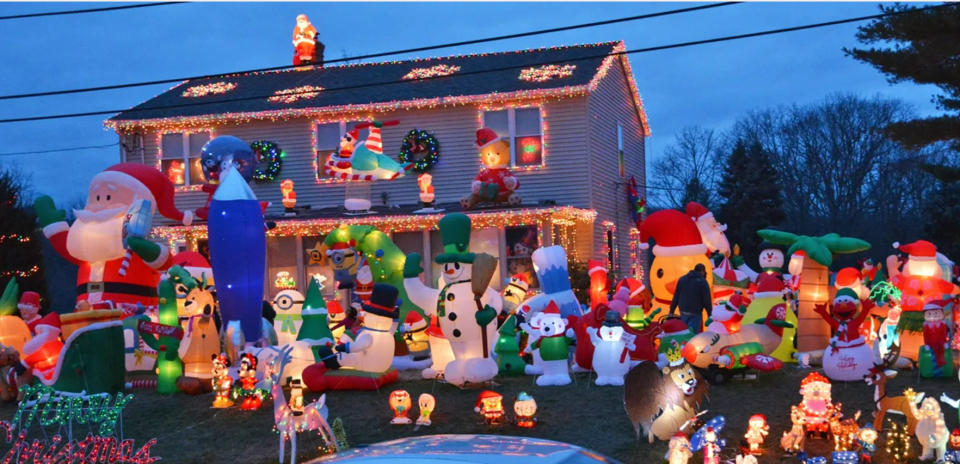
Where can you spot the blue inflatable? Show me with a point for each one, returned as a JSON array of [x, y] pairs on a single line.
[[225, 152]]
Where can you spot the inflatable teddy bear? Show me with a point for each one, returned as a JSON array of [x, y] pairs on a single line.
[[494, 183]]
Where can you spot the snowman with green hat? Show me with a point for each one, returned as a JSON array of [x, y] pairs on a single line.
[[467, 322]]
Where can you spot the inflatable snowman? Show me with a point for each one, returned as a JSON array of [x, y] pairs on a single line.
[[288, 304], [848, 357], [611, 354], [371, 348], [554, 347], [469, 327]]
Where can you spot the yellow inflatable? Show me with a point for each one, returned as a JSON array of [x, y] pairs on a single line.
[[679, 248], [770, 292]]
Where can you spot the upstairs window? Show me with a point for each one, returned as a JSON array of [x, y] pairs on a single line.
[[180, 157], [524, 128], [328, 137]]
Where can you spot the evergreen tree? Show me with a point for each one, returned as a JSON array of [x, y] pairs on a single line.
[[20, 239], [920, 47], [315, 328], [941, 218], [695, 191], [340, 435], [752, 197]]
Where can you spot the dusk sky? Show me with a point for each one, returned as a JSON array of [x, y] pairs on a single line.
[[709, 85]]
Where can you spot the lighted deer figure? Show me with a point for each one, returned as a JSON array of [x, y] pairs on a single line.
[[295, 417], [879, 374]]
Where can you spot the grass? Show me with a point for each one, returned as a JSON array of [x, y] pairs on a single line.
[[189, 431]]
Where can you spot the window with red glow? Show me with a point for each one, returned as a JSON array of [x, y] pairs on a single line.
[[523, 127]]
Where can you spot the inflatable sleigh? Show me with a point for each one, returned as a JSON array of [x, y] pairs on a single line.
[[92, 357]]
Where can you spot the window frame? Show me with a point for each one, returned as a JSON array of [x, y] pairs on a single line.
[[513, 136], [185, 156], [621, 155], [317, 162]]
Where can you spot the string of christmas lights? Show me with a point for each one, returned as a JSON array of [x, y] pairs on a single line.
[[546, 73], [208, 89], [295, 94], [28, 273], [417, 141], [14, 237], [433, 71], [491, 98], [270, 153], [543, 130]]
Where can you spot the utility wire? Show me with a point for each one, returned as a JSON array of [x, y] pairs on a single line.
[[376, 55], [59, 150], [91, 10], [506, 68]]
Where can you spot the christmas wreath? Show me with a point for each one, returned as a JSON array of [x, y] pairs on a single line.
[[270, 155], [419, 141]]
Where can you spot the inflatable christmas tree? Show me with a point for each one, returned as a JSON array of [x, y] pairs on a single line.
[[508, 350], [315, 329]]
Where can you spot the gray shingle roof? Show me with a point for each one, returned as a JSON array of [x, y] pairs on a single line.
[[265, 84]]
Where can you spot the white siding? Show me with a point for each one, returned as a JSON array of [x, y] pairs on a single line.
[[609, 105], [563, 179]]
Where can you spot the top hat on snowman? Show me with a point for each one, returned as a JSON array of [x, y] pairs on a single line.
[[455, 235]]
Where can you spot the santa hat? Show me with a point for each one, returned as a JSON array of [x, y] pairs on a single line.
[[813, 377], [735, 302], [486, 395], [676, 234], [552, 309], [194, 263], [696, 211], [955, 433], [486, 137], [921, 250], [50, 321], [333, 307], [847, 277], [680, 436], [28, 300], [672, 327], [340, 246], [633, 285], [769, 286], [149, 184], [936, 305], [520, 281], [415, 321]]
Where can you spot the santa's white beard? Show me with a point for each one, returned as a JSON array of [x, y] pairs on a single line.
[[97, 236], [714, 239]]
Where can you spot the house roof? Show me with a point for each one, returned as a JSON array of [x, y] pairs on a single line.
[[376, 87]]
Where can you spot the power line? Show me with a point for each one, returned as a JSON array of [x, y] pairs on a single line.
[[506, 68], [59, 150], [91, 10], [376, 55]]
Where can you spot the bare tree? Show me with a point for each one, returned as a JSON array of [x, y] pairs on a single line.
[[688, 170]]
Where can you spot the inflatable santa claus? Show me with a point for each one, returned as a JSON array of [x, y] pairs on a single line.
[[711, 231], [117, 264]]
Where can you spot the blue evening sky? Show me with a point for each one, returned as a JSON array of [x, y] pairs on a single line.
[[709, 85]]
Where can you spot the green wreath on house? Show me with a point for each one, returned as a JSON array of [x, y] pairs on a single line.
[[419, 141], [269, 154]]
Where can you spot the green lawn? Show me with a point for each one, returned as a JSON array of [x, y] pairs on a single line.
[[189, 431]]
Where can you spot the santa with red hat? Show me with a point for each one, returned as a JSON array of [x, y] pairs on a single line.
[[42, 353], [936, 334], [494, 183], [920, 280], [115, 267], [29, 307], [711, 231]]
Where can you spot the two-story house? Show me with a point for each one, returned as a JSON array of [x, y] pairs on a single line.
[[576, 126]]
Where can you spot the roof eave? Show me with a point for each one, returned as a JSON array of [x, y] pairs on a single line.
[[617, 54]]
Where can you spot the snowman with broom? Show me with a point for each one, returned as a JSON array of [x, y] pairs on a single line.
[[465, 306]]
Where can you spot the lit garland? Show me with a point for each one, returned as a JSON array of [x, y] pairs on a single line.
[[62, 410], [898, 442], [439, 70], [181, 122], [28, 273], [208, 89], [395, 224], [185, 132], [636, 266], [543, 130], [272, 154], [609, 226], [547, 72], [297, 93], [14, 237], [418, 141]]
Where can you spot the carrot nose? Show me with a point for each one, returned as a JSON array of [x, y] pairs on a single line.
[[672, 286], [449, 271], [689, 353]]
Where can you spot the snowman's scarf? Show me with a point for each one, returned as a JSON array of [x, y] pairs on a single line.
[[442, 299]]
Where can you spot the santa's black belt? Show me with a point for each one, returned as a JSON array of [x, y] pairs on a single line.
[[117, 287]]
